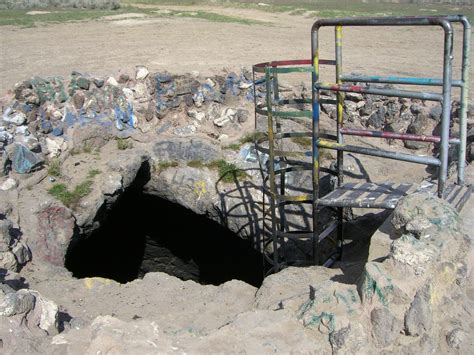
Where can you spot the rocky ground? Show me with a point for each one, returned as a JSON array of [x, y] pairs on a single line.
[[71, 149]]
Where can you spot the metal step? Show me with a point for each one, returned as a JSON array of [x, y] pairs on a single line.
[[386, 195]]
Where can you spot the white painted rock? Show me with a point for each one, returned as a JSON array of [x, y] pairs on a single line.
[[9, 184], [141, 72], [111, 81], [196, 115], [55, 146], [17, 119]]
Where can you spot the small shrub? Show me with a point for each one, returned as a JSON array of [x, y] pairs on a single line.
[[196, 164], [71, 198], [123, 144], [163, 165], [251, 137], [54, 168], [87, 149], [228, 172], [233, 146], [93, 172]]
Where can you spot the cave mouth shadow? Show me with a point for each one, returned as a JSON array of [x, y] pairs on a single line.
[[144, 233]]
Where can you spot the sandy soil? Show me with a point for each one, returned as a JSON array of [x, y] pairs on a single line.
[[181, 45]]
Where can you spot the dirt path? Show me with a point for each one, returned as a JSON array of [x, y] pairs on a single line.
[[186, 44]]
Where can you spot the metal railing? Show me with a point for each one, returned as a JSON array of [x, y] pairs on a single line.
[[283, 162]]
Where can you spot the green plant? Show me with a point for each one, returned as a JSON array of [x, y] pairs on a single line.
[[86, 149], [251, 137], [71, 198], [93, 172], [123, 144], [163, 165], [228, 172], [54, 167], [196, 164], [233, 146]]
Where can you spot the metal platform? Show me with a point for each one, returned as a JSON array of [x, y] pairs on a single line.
[[386, 195]]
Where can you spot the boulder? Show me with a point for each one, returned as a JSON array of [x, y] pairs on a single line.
[[182, 149], [24, 160]]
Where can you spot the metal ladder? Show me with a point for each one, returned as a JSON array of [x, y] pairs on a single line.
[[277, 230]]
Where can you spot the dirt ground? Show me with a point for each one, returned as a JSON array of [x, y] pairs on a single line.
[[119, 43]]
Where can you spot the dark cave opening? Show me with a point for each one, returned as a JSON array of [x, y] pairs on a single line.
[[143, 233]]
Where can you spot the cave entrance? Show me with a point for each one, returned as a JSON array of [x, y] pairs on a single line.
[[143, 233]]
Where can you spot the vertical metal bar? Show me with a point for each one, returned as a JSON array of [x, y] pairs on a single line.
[[261, 234], [340, 104], [271, 167], [276, 93], [315, 136], [446, 105], [340, 137], [466, 55]]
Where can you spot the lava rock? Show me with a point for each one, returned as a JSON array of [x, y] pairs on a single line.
[[25, 161], [418, 319], [435, 112], [385, 327], [83, 83], [58, 131], [377, 118], [419, 127], [45, 126], [242, 115], [123, 78], [78, 100], [455, 338], [98, 82]]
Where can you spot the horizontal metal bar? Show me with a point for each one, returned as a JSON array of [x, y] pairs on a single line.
[[397, 80], [260, 67], [393, 135], [353, 203], [380, 153], [285, 114], [293, 101], [292, 114], [281, 153], [383, 92], [328, 230], [291, 70], [295, 235], [297, 198], [382, 21]]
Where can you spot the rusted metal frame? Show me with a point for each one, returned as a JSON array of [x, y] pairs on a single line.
[[398, 80], [466, 55], [271, 168], [393, 135], [340, 138], [380, 153], [315, 139], [430, 96], [447, 73]]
